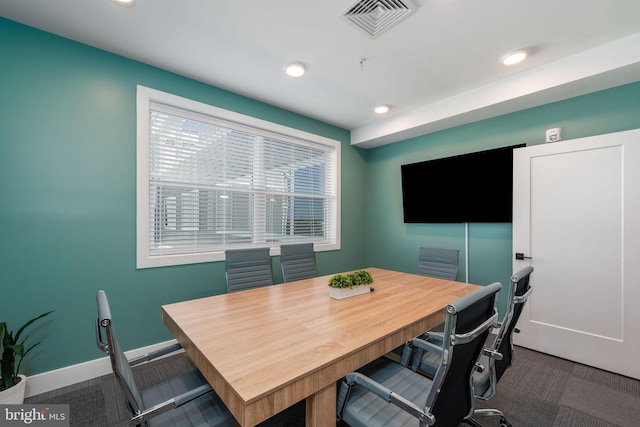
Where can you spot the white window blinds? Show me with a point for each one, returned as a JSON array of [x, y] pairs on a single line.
[[215, 184]]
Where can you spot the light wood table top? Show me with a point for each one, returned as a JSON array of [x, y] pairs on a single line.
[[265, 349]]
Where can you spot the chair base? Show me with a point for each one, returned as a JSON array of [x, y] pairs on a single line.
[[487, 413]]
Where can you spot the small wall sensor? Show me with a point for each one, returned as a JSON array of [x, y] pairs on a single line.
[[554, 135]]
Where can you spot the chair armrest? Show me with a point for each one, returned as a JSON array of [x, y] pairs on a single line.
[[412, 408], [371, 385], [492, 354], [174, 402], [154, 354], [413, 352], [427, 346], [190, 395], [390, 396], [522, 298], [434, 337], [102, 346]]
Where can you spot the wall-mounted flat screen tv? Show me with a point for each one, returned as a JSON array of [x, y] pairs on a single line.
[[474, 187]]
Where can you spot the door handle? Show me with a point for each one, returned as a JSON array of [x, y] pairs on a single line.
[[520, 256]]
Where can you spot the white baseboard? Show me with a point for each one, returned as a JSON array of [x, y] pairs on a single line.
[[58, 378]]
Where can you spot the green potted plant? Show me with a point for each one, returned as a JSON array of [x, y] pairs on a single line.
[[361, 277], [341, 281], [13, 349], [348, 285]]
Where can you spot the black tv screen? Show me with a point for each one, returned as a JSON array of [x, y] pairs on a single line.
[[474, 187]]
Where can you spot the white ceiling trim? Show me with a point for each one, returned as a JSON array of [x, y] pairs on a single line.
[[606, 66]]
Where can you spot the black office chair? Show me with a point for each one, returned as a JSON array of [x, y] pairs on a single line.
[[298, 261], [498, 356], [438, 262], [185, 400], [385, 393], [248, 268]]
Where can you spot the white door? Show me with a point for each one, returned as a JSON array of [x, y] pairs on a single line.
[[576, 213]]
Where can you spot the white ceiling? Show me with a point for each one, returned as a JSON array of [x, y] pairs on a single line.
[[438, 68]]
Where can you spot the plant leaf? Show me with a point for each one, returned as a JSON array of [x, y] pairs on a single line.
[[23, 355], [29, 323], [17, 349]]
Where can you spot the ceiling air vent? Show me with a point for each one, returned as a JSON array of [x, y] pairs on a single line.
[[374, 17]]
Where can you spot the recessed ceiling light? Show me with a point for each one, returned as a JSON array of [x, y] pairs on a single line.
[[381, 109], [295, 69], [125, 3], [514, 57]]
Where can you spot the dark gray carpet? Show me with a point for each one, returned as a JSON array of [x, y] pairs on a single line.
[[541, 390], [537, 391]]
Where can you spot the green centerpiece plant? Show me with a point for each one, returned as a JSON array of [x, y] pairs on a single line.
[[353, 282], [341, 281], [13, 349], [361, 277]]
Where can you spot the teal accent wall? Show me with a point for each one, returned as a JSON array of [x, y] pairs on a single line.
[[393, 244], [67, 217]]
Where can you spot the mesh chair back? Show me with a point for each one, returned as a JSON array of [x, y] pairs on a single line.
[[248, 269], [468, 323], [298, 261], [441, 263], [119, 362], [519, 294]]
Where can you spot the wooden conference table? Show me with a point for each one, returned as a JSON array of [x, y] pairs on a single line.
[[265, 349]]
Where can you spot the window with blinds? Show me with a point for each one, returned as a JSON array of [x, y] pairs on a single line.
[[210, 179]]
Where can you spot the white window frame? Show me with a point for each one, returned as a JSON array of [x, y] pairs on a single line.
[[145, 96]]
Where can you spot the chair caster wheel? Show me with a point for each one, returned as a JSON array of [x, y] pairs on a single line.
[[504, 422]]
